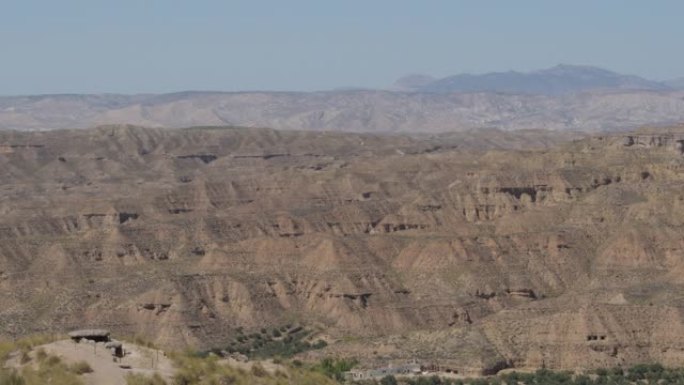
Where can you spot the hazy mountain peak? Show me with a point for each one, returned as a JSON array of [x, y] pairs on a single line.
[[677, 84], [565, 69], [560, 79], [413, 81], [575, 97]]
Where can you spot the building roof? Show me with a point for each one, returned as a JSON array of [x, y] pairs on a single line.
[[113, 344], [85, 333]]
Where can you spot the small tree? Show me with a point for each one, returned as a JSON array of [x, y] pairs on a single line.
[[388, 380], [10, 377]]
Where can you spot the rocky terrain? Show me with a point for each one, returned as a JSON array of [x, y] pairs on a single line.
[[565, 97], [352, 111], [473, 251]]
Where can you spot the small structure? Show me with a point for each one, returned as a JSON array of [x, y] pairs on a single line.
[[95, 335], [116, 348]]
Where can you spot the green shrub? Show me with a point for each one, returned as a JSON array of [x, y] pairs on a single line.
[[25, 358], [335, 368], [25, 345], [194, 370], [583, 380], [264, 345], [141, 379], [141, 341], [30, 342], [53, 360], [258, 370], [10, 377], [50, 370], [41, 354], [81, 367], [6, 348]]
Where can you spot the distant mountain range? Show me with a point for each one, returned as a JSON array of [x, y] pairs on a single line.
[[676, 84], [560, 98], [561, 79]]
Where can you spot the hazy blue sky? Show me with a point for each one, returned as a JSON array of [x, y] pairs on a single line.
[[129, 46]]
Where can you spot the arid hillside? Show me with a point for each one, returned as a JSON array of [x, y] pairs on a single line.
[[352, 111], [470, 250]]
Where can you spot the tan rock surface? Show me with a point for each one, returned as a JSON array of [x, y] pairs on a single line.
[[409, 247]]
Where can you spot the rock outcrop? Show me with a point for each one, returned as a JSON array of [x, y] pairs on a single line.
[[568, 257]]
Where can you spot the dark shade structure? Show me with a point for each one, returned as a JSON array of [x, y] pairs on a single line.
[[96, 335]]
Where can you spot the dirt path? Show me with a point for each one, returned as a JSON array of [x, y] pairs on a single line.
[[105, 370]]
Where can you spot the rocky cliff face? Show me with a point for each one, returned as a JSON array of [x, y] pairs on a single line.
[[473, 256]]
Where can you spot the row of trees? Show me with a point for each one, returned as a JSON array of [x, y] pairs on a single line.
[[645, 374]]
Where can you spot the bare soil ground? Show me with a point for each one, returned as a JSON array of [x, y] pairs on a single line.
[[106, 369]]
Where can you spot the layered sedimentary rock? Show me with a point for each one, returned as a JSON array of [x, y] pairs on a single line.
[[476, 257]]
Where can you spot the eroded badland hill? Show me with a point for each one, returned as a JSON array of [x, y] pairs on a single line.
[[455, 249]]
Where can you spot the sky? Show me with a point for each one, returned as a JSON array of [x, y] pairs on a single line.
[[154, 46]]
